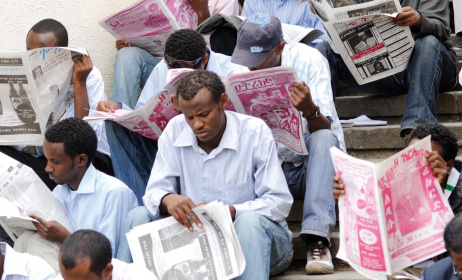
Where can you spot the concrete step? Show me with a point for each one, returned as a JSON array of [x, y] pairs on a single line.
[[297, 272], [300, 247]]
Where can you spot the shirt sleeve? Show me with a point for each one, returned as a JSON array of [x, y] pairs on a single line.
[[249, 8], [155, 83], [273, 196], [117, 205], [226, 7], [434, 20], [164, 178]]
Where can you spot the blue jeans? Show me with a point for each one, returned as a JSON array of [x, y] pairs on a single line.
[[132, 157], [431, 70], [267, 245], [132, 68], [312, 181]]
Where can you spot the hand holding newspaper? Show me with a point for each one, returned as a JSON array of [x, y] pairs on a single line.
[[392, 214], [370, 45], [23, 193], [172, 252]]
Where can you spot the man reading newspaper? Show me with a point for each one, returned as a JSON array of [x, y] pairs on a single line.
[[432, 68], [208, 154], [260, 46], [94, 200]]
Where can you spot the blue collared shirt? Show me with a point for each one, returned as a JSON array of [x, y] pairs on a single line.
[[288, 11], [102, 203], [242, 171]]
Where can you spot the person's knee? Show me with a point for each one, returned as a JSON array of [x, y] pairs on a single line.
[[249, 224], [321, 139], [427, 47], [128, 55], [138, 216]]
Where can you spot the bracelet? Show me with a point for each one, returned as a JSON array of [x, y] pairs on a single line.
[[314, 116]]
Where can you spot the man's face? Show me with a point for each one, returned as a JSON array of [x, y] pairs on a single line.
[[457, 261], [273, 59], [379, 67], [362, 36], [205, 116], [35, 40], [82, 272], [61, 168], [436, 146]]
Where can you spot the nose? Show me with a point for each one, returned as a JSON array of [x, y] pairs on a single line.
[[197, 124], [48, 168]]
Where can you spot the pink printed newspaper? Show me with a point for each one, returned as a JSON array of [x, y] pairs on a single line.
[[148, 23], [393, 213]]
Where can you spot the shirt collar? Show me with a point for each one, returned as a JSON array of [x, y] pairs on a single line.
[[87, 185], [13, 261], [214, 64], [228, 141]]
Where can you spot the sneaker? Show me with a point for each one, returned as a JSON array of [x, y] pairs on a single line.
[[319, 259], [458, 49]]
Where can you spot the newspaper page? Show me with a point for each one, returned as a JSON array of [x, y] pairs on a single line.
[[172, 252], [21, 186], [148, 23], [34, 92], [363, 35], [384, 226]]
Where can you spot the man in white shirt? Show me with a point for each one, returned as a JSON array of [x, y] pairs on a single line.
[[86, 91], [209, 154], [133, 154], [17, 266], [86, 254], [260, 46]]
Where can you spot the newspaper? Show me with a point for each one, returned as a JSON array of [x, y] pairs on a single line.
[[291, 33], [148, 23], [172, 252], [26, 194], [363, 35], [384, 226], [263, 94], [34, 92]]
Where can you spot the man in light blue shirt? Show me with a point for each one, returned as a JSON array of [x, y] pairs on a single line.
[[288, 11], [260, 46], [133, 154], [93, 199], [209, 154]]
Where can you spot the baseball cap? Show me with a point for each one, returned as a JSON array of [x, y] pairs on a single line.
[[256, 37]]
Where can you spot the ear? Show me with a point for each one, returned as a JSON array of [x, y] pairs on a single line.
[[224, 101], [107, 272], [450, 163], [82, 160], [175, 104], [205, 60], [280, 48]]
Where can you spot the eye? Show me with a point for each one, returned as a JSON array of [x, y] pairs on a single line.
[[55, 161], [204, 115], [189, 117]]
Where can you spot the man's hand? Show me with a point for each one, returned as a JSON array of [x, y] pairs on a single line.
[[108, 106], [82, 69], [339, 188], [51, 230], [438, 166], [180, 207], [201, 7], [409, 17], [122, 44], [300, 97], [232, 211]]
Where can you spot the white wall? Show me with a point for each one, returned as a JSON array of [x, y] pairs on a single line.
[[80, 17]]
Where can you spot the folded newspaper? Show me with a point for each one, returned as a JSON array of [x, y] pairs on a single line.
[[362, 120], [23, 193], [292, 33], [263, 94], [370, 45], [34, 92], [148, 23], [393, 213], [172, 252]]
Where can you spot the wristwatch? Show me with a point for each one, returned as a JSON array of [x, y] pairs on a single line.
[[314, 116]]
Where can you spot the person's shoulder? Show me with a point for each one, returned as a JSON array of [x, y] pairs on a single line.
[[110, 183], [442, 269], [249, 126], [174, 127], [300, 52]]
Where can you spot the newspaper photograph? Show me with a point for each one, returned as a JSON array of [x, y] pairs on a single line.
[[172, 252], [370, 45], [34, 92], [384, 226], [148, 23], [27, 194]]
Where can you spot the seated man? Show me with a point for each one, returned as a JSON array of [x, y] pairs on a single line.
[[93, 199], [88, 88], [17, 266], [308, 176], [133, 65], [449, 268], [133, 154], [209, 154], [86, 254], [432, 68]]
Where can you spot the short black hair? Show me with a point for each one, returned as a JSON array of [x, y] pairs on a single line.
[[439, 133], [84, 244], [185, 44], [77, 135], [196, 80], [51, 25], [453, 236]]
